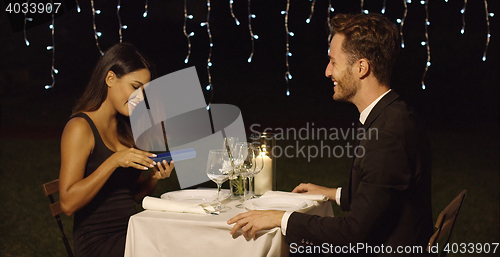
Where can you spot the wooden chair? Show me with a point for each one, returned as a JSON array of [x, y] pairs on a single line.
[[446, 221], [49, 189]]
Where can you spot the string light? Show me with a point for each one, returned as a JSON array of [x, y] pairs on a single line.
[[24, 30], [463, 17], [488, 29], [383, 8], [402, 22], [328, 20], [145, 14], [308, 20], [120, 26], [188, 36], [426, 43], [78, 7], [288, 76], [96, 34], [53, 70], [232, 12], [209, 60], [252, 36]]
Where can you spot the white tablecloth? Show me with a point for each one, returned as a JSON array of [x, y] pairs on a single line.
[[156, 233]]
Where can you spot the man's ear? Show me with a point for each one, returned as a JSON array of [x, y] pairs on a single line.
[[363, 68], [110, 78]]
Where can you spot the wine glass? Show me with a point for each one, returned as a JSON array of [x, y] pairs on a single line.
[[219, 169], [230, 146], [259, 165], [246, 162]]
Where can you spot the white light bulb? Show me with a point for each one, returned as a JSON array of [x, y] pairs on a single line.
[[208, 107], [428, 23], [99, 34], [291, 34], [428, 63], [249, 59], [423, 86], [27, 42], [253, 16], [51, 26], [49, 47], [211, 44], [399, 20], [308, 20], [255, 36], [492, 14], [484, 58], [462, 11], [29, 19], [186, 60], [208, 87], [289, 54], [383, 10], [56, 71], [190, 16], [191, 34], [422, 2], [209, 64], [287, 93], [408, 1], [98, 11], [145, 14], [237, 22], [365, 11], [78, 9], [203, 24], [402, 45], [124, 27], [283, 12], [48, 86], [462, 31], [289, 76], [423, 43], [332, 9]]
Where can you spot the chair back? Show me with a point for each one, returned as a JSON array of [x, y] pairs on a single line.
[[446, 221], [49, 189]]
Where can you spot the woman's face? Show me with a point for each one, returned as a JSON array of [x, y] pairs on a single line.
[[126, 92]]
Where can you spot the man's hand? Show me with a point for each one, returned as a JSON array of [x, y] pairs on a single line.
[[308, 188], [253, 221]]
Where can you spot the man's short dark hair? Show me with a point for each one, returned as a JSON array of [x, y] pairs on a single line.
[[369, 36]]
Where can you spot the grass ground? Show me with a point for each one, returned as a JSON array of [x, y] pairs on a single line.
[[461, 160]]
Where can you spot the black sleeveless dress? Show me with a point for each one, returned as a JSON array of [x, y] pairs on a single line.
[[100, 227]]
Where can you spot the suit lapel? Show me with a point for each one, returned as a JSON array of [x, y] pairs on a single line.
[[379, 107]]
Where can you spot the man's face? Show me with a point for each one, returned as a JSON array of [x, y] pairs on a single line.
[[339, 70]]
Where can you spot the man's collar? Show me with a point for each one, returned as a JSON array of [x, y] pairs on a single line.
[[364, 114]]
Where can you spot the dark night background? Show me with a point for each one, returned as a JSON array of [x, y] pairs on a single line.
[[460, 87], [460, 104]]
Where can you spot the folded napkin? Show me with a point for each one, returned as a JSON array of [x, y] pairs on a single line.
[[295, 195], [157, 204]]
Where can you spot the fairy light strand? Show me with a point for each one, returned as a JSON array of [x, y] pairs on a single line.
[[288, 76], [120, 26], [53, 70], [328, 20], [383, 7], [463, 17], [488, 36], [96, 34], [145, 14], [184, 28], [209, 59], [232, 12], [402, 22], [78, 9], [308, 20], [24, 29], [252, 36], [426, 42]]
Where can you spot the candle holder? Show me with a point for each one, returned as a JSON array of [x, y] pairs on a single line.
[[266, 179]]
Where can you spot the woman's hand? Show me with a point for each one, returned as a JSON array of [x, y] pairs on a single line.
[[162, 170], [134, 158]]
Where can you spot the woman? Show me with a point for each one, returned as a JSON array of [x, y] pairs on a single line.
[[101, 172]]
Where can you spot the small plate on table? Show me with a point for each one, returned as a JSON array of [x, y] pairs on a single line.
[[278, 203], [199, 196]]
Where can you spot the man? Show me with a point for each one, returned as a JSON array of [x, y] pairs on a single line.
[[388, 196]]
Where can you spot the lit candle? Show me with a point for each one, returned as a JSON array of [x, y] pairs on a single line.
[[264, 179]]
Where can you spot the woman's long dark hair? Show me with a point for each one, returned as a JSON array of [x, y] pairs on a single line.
[[122, 58]]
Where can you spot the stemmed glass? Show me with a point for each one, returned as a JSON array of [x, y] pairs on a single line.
[[219, 169], [259, 165], [230, 147], [246, 159]]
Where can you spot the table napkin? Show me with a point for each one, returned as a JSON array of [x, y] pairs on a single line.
[[157, 204], [319, 198]]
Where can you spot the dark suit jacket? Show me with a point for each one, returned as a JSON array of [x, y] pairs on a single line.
[[389, 194]]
